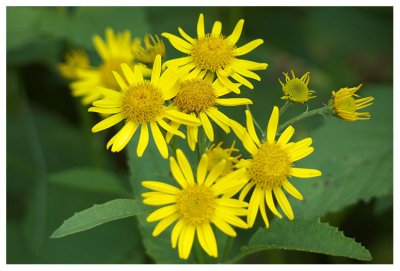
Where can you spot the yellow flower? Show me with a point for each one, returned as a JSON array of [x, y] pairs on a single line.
[[115, 51], [271, 165], [296, 89], [140, 103], [153, 47], [345, 106], [216, 154], [214, 53], [196, 204], [200, 97], [74, 60]]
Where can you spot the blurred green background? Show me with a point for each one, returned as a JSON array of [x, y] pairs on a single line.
[[49, 142]]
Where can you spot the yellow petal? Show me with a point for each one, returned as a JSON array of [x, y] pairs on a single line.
[[200, 26], [245, 190], [108, 122], [215, 173], [286, 135], [101, 48], [124, 136], [163, 224], [208, 129], [253, 206], [155, 74], [177, 173], [202, 169], [305, 172], [292, 190], [185, 166], [250, 127], [237, 31], [162, 213], [128, 74], [176, 231], [211, 240], [270, 202], [219, 118], [120, 81], [273, 125], [234, 101], [178, 43], [216, 30], [295, 156], [202, 239], [223, 226], [283, 202], [185, 36], [248, 47], [262, 211], [161, 187], [159, 140], [143, 140], [162, 199], [188, 237]]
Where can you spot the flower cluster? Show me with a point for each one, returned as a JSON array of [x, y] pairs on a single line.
[[227, 188]]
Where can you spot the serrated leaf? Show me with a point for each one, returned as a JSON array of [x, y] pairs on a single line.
[[304, 235], [356, 160], [97, 215], [90, 179]]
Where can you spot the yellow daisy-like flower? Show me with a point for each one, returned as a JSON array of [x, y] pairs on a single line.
[[296, 89], [216, 154], [215, 53], [141, 103], [153, 46], [115, 51], [74, 60], [271, 165], [345, 106], [200, 97], [196, 204]]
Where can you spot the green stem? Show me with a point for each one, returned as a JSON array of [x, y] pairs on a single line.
[[304, 115], [202, 143], [227, 248], [199, 254], [284, 107]]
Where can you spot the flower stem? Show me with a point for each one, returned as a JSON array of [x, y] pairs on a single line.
[[286, 105], [202, 143], [307, 114], [227, 248]]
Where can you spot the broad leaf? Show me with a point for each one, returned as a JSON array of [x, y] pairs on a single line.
[[91, 179], [356, 160], [304, 235], [97, 215], [151, 166]]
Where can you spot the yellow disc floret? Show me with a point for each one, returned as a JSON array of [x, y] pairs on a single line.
[[195, 96], [296, 89], [212, 53], [196, 204], [270, 166], [345, 105], [142, 103]]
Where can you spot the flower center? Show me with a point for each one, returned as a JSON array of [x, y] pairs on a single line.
[[196, 204], [270, 166], [212, 53], [142, 103], [107, 75], [194, 96], [297, 90], [345, 102]]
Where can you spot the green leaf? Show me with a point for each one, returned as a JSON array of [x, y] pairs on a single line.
[[151, 166], [304, 235], [90, 179], [356, 160], [97, 215]]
